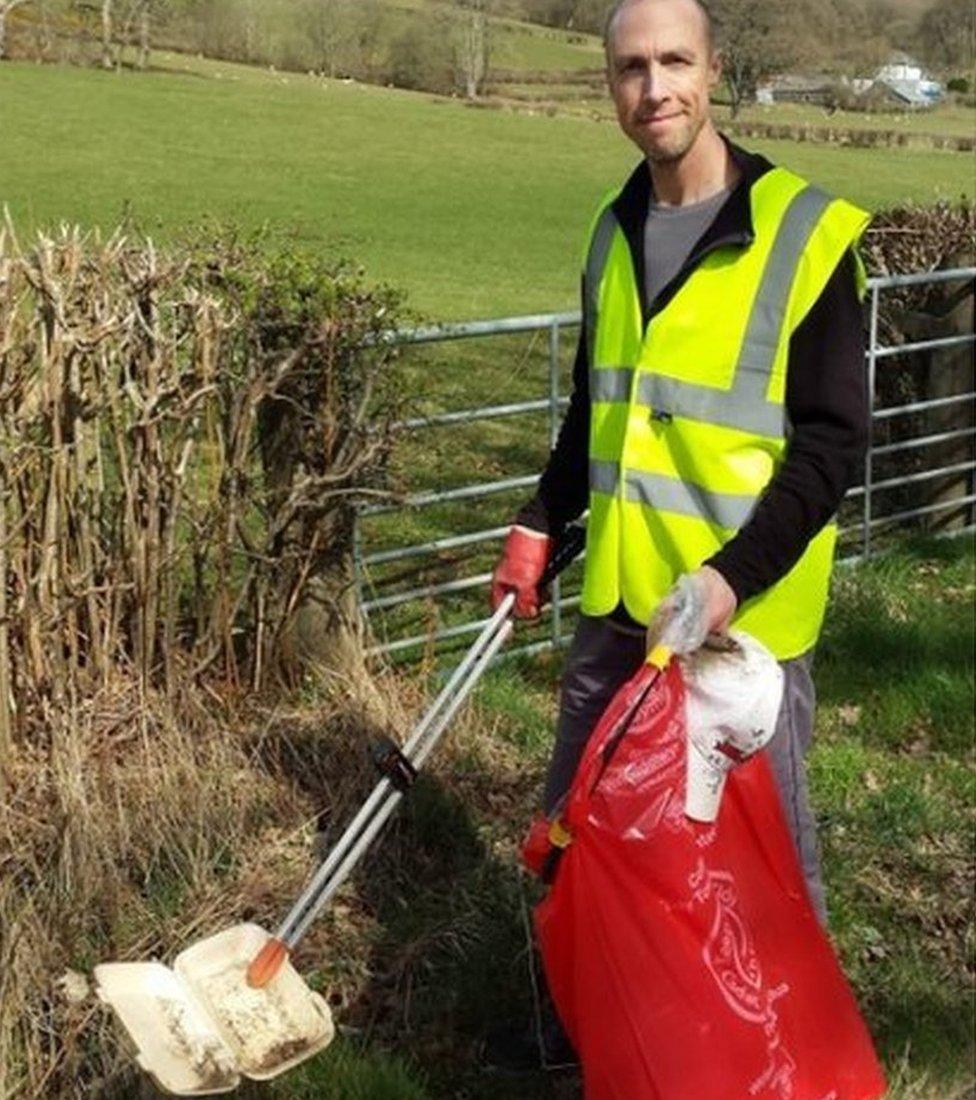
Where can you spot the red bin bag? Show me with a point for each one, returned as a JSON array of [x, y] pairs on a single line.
[[685, 959]]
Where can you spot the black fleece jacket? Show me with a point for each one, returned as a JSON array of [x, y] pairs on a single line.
[[826, 404]]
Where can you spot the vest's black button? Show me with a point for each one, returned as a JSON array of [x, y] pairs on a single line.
[[661, 414]]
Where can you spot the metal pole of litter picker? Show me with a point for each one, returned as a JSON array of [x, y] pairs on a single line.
[[386, 795], [311, 903], [384, 790], [555, 605]]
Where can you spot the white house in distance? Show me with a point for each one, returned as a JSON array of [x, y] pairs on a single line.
[[906, 79], [902, 82]]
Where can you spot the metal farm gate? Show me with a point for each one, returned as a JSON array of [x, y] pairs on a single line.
[[422, 583]]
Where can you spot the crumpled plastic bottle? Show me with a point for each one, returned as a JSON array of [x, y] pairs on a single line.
[[679, 621]]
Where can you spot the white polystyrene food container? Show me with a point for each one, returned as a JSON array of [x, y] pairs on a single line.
[[198, 1027]]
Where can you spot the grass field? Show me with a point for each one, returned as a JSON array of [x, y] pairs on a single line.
[[893, 786], [473, 212]]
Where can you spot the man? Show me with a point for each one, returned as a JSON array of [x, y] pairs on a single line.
[[719, 410]]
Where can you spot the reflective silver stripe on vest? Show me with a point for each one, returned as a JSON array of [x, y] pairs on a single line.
[[611, 384], [769, 307], [596, 261], [745, 406], [687, 399], [671, 494], [604, 476], [736, 408]]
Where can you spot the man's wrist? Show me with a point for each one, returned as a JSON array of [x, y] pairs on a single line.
[[730, 575], [533, 516], [529, 531], [721, 600], [720, 577]]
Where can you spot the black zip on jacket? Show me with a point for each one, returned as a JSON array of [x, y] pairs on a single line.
[[827, 403]]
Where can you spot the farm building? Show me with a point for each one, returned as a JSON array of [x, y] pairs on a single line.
[[797, 88], [905, 83]]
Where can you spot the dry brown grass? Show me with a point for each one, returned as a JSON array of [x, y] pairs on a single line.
[[115, 837], [139, 825]]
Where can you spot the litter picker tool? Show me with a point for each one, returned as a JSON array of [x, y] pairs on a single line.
[[400, 768], [233, 1005]]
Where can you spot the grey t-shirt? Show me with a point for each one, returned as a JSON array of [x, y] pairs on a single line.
[[670, 233]]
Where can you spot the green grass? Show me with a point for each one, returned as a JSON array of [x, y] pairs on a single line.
[[346, 1073], [893, 781], [523, 46], [473, 212]]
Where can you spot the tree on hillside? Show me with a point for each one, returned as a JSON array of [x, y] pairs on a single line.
[[109, 59], [472, 46], [134, 27], [6, 7], [889, 24], [947, 34], [368, 36], [137, 28], [345, 36], [122, 24], [842, 36], [756, 38], [327, 27], [421, 56]]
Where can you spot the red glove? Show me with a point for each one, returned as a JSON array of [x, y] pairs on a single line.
[[524, 558]]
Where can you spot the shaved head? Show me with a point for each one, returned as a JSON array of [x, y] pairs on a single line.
[[611, 20], [661, 71]]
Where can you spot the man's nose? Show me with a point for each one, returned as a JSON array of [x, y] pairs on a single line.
[[654, 88]]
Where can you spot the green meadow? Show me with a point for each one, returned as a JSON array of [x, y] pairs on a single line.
[[473, 212]]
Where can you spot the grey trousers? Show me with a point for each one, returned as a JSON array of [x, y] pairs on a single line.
[[603, 655]]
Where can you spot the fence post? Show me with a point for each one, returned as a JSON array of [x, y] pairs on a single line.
[[869, 457], [358, 571], [553, 433]]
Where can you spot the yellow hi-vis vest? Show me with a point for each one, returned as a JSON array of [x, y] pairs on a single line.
[[688, 420]]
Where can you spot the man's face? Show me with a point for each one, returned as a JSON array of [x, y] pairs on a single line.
[[661, 69]]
